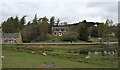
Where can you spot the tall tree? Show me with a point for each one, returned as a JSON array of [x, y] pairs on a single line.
[[111, 23], [30, 33], [11, 25], [101, 30], [58, 22], [16, 24], [40, 20], [104, 31], [28, 23], [52, 22], [43, 28], [107, 21], [83, 32], [35, 19], [94, 32], [22, 23]]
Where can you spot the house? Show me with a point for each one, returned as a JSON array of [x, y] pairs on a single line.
[[11, 38], [59, 30], [62, 29]]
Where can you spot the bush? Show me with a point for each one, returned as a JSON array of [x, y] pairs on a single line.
[[38, 39], [70, 36], [53, 38]]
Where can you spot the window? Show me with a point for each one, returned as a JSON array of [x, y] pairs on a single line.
[[54, 29], [55, 34], [62, 29], [57, 29]]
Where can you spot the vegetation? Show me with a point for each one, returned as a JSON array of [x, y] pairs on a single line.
[[30, 33], [119, 33], [83, 32], [40, 28], [70, 36], [17, 60], [21, 23], [64, 56], [94, 32], [52, 23], [11, 25], [58, 54]]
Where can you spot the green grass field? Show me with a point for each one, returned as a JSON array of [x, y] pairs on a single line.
[[26, 60]]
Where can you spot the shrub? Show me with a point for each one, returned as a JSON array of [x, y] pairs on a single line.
[[53, 38], [69, 36]]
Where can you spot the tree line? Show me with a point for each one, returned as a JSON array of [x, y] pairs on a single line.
[[37, 30], [40, 29]]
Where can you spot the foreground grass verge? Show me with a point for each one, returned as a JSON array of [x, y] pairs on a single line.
[[25, 60]]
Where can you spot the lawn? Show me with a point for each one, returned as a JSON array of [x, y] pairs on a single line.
[[110, 39], [26, 60]]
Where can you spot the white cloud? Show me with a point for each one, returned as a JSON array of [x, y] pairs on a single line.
[[60, 0], [70, 11]]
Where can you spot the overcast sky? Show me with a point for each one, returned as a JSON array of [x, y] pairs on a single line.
[[70, 11]]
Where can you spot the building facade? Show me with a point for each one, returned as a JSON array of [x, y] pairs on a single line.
[[59, 30], [11, 38]]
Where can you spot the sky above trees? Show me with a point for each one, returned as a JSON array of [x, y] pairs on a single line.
[[70, 11]]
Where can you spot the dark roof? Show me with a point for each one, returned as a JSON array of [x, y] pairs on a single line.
[[10, 35], [59, 27]]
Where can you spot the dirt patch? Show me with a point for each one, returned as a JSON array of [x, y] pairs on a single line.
[[47, 65], [43, 66]]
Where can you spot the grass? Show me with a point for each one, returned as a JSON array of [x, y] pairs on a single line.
[[26, 60], [111, 39]]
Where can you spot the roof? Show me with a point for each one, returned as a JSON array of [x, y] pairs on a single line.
[[10, 35], [59, 28]]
